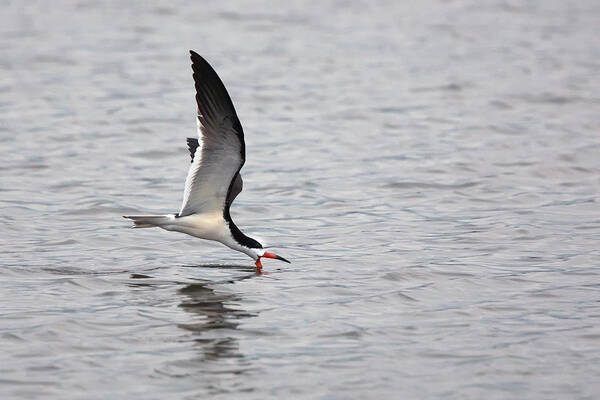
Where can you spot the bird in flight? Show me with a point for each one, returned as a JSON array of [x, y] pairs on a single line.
[[214, 179]]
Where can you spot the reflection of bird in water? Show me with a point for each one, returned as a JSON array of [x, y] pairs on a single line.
[[217, 318], [214, 179]]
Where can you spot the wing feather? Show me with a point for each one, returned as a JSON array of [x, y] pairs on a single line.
[[212, 180]]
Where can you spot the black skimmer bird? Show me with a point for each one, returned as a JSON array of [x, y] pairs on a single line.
[[214, 179]]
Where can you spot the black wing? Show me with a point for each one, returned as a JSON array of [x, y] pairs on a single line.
[[219, 154]]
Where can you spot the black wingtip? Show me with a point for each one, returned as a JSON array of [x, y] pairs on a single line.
[[211, 96], [195, 57], [199, 64], [192, 146]]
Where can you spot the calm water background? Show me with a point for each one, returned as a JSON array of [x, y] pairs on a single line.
[[432, 170]]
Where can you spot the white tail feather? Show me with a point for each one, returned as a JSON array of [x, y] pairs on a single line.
[[149, 221]]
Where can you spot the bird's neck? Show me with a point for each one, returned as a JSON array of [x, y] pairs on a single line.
[[242, 239], [243, 243]]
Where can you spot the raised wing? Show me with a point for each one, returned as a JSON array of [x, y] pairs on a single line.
[[213, 180]]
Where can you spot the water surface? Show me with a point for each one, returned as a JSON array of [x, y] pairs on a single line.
[[431, 170]]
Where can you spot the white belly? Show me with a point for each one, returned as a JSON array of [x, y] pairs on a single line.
[[204, 226], [207, 226]]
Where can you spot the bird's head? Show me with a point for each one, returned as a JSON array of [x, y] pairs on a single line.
[[262, 253]]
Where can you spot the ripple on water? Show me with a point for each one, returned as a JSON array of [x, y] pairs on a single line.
[[439, 205]]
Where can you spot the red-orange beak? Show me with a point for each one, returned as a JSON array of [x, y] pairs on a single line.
[[275, 256], [269, 255]]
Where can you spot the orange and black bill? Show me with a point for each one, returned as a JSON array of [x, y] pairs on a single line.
[[275, 256], [269, 255]]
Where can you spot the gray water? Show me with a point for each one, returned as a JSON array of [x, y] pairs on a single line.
[[431, 169]]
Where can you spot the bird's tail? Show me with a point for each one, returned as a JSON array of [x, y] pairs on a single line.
[[148, 221]]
